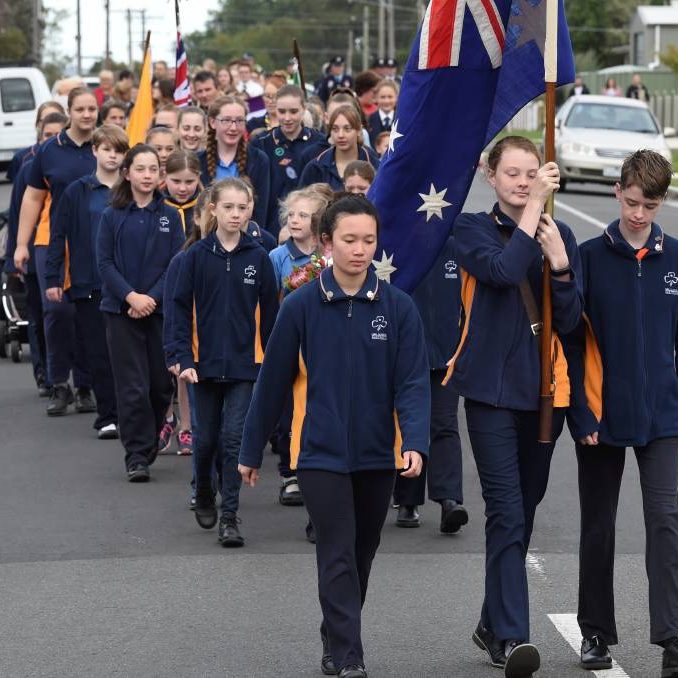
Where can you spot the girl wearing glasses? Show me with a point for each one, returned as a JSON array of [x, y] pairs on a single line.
[[347, 146], [227, 155]]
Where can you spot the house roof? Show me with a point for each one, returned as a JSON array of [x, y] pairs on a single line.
[[658, 15]]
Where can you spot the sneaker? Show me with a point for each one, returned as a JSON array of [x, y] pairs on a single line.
[[84, 401], [229, 534], [595, 654], [108, 432], [184, 443], [486, 641], [670, 658], [166, 433], [138, 473], [522, 659], [59, 400], [290, 494]]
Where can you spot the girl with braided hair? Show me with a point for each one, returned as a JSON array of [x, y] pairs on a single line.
[[227, 155]]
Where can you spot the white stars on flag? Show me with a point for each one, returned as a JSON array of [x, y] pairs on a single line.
[[384, 268], [395, 135], [434, 203]]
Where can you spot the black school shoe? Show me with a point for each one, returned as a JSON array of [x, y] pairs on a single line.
[[206, 512], [229, 534], [138, 473], [353, 672], [84, 401], [408, 516], [452, 516], [327, 663], [595, 654], [522, 659], [670, 658], [59, 400], [485, 640]]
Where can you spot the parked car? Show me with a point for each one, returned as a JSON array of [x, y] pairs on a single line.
[[594, 134], [22, 90]]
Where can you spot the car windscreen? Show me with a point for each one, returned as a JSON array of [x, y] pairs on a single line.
[[16, 94], [605, 116]]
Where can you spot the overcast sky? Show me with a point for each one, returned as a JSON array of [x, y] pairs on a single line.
[[159, 20]]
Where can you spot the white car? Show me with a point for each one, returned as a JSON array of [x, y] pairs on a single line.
[[594, 134]]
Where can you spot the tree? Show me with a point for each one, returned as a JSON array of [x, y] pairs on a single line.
[[670, 58], [16, 34]]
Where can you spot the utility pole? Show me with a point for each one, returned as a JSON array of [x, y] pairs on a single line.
[[422, 9], [78, 39], [129, 38], [366, 37], [143, 27], [107, 56], [381, 29], [349, 52], [35, 32], [391, 30]]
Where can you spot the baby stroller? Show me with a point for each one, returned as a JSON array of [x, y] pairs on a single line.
[[13, 315]]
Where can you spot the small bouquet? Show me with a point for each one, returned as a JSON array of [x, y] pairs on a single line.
[[302, 274]]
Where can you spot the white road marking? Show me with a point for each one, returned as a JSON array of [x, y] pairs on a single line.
[[534, 562], [581, 215], [566, 625]]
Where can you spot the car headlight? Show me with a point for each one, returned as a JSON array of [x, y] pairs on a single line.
[[576, 148]]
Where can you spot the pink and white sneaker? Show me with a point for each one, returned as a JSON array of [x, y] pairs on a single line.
[[185, 443]]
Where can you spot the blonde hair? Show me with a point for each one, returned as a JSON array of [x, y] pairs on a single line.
[[319, 202]]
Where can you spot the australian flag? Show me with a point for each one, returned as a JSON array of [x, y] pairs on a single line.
[[474, 64], [182, 87]]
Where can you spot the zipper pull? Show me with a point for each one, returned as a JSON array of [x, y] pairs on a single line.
[[350, 308], [228, 263], [640, 268]]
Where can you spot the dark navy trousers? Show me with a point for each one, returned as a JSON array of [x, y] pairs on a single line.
[[600, 474], [348, 511], [93, 326], [443, 468], [36, 328], [514, 471], [64, 340], [143, 386]]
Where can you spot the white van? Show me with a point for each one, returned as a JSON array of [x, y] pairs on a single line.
[[22, 90]]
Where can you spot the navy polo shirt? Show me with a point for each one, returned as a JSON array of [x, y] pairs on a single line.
[[59, 162], [134, 234]]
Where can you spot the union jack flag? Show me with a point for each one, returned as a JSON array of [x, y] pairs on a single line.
[[182, 87], [473, 65]]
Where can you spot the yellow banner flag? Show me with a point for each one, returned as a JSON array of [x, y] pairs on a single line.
[[142, 113]]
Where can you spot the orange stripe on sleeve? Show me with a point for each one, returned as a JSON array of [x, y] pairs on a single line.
[[398, 444], [593, 373], [195, 342], [42, 234], [258, 348], [468, 288], [67, 268], [300, 393]]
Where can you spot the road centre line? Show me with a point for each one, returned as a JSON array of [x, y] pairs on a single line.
[[581, 215], [567, 626]]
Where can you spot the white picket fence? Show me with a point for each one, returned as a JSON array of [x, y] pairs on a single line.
[[530, 118]]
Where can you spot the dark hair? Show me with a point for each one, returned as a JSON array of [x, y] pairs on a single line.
[[346, 204], [359, 168], [223, 185], [211, 150], [365, 81], [113, 135], [648, 170], [201, 202], [121, 193], [166, 87], [48, 104], [498, 149], [180, 160], [110, 105], [290, 91], [78, 92], [53, 118], [204, 76], [125, 74]]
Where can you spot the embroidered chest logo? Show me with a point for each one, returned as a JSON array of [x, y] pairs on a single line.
[[378, 325], [450, 269], [671, 279], [250, 272], [164, 225]]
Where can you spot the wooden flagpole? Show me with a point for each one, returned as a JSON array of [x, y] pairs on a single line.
[[300, 66], [547, 387]]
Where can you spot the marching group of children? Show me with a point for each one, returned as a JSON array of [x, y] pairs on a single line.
[[235, 274]]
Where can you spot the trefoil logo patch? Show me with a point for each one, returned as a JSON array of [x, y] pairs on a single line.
[[250, 272], [164, 225], [450, 269], [671, 279], [379, 324]]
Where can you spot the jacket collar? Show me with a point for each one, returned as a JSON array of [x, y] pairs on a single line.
[[211, 243], [64, 140], [280, 138], [152, 206], [502, 219], [181, 205], [330, 290], [295, 252], [614, 238]]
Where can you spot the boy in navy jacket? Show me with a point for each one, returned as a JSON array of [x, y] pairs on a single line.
[[625, 394]]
